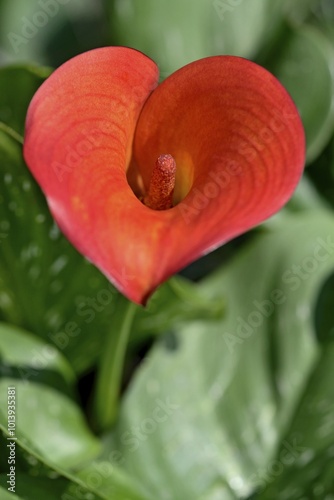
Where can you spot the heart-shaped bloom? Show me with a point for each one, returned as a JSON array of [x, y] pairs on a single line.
[[105, 142]]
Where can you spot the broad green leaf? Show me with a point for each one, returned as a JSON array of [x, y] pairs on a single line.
[[42, 478], [305, 67], [111, 481], [108, 484], [30, 358], [306, 197], [323, 18], [193, 29], [33, 488], [298, 11], [17, 86], [51, 422], [311, 467], [29, 30], [172, 33], [6, 495], [241, 28], [212, 417]]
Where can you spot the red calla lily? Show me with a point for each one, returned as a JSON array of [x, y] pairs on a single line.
[[97, 126]]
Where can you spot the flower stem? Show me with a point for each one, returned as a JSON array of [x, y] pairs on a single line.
[[110, 369]]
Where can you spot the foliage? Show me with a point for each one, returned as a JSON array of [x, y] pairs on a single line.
[[224, 390]]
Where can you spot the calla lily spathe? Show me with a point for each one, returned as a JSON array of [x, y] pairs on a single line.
[[97, 126]]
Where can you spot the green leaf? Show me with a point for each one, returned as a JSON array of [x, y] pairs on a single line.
[[323, 18], [44, 479], [213, 417], [52, 422], [183, 38], [41, 475], [193, 29], [242, 28], [306, 197], [298, 11], [304, 67], [112, 482], [176, 302], [6, 495], [49, 31], [33, 488], [11, 133], [311, 434], [17, 86], [29, 357]]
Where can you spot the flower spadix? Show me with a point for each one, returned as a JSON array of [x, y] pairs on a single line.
[[145, 178]]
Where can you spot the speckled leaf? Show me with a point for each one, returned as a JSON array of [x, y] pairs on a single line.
[[25, 356], [231, 403], [112, 482], [51, 422], [38, 478]]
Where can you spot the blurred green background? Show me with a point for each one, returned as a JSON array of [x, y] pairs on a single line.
[[226, 383]]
